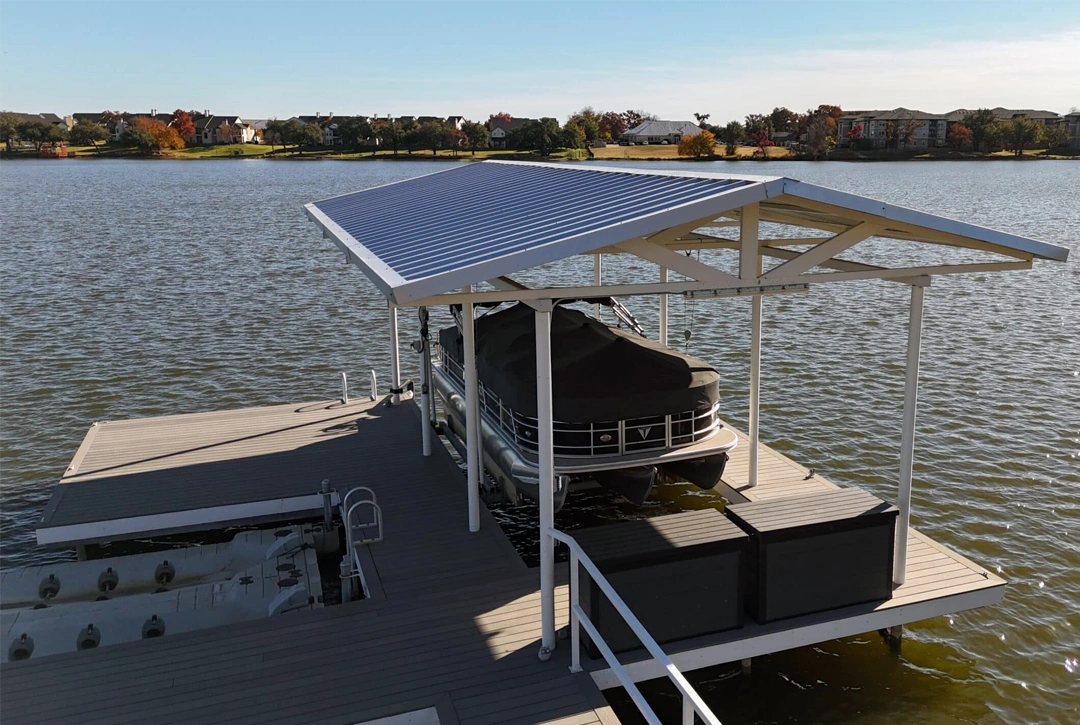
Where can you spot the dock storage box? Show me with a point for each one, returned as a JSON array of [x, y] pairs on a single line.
[[681, 576], [814, 553]]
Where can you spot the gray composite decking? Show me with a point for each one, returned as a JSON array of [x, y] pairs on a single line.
[[453, 623], [151, 476]]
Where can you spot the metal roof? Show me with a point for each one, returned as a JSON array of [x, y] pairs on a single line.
[[437, 233]]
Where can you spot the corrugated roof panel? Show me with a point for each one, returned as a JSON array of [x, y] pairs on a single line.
[[433, 224]]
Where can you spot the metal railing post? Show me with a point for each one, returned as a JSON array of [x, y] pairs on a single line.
[[344, 389], [663, 309], [575, 625], [755, 387], [472, 411], [395, 355], [545, 455]]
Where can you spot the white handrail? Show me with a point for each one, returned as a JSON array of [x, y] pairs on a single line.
[[344, 389], [374, 386], [692, 702]]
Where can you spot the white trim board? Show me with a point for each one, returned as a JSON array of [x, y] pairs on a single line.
[[781, 639], [179, 521]]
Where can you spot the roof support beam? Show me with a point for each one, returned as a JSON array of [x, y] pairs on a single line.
[[680, 263], [914, 272], [826, 250], [506, 284]]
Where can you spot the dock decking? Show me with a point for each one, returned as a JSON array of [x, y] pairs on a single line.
[[453, 622], [153, 476]]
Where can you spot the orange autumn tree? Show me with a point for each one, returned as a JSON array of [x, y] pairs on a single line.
[[165, 137], [183, 124], [699, 146]]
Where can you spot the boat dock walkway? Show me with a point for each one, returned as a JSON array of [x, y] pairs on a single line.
[[453, 621]]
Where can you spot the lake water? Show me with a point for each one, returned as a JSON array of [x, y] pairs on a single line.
[[137, 288]]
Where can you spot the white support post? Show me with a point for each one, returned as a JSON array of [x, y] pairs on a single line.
[[425, 384], [598, 269], [749, 271], [663, 309], [395, 355], [755, 387], [546, 460], [472, 412], [907, 441]]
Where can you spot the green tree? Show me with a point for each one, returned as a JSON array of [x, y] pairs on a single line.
[[820, 134], [984, 128], [88, 133], [276, 133], [36, 132], [1021, 133], [9, 127], [477, 135], [355, 131], [702, 119], [302, 134], [435, 135], [542, 136], [390, 133], [1055, 136], [140, 138], [589, 122], [573, 136], [730, 135], [631, 118], [782, 119], [756, 122]]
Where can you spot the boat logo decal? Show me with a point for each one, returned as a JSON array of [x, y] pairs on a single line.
[[644, 432]]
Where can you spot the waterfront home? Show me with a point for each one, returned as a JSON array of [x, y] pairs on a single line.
[[660, 132], [873, 128], [50, 118], [501, 129], [209, 129]]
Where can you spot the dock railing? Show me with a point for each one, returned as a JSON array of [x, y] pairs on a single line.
[[692, 704]]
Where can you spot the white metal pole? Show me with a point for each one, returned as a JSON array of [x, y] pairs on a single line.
[[598, 268], [395, 355], [750, 271], [907, 441], [472, 412], [663, 309], [425, 384], [546, 460], [755, 387]]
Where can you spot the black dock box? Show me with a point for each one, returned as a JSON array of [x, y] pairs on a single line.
[[814, 553], [681, 576]]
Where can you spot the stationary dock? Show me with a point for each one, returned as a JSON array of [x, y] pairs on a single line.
[[453, 621], [154, 476]]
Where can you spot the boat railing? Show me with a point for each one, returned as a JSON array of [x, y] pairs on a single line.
[[586, 440], [692, 704]]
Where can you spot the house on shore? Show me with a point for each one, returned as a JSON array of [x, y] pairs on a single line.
[[501, 129], [226, 128], [52, 119], [659, 132], [872, 129]]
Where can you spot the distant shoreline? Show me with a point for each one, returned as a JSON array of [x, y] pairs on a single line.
[[635, 154]]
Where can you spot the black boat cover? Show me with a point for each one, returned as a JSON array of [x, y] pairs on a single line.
[[599, 373]]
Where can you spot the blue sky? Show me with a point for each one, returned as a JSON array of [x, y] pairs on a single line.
[[267, 59]]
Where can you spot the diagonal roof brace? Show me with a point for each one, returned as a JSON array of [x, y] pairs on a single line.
[[822, 252]]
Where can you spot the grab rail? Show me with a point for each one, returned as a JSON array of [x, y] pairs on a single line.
[[346, 518], [691, 702], [374, 386]]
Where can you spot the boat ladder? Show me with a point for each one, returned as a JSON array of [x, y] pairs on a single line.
[[359, 530], [692, 704]]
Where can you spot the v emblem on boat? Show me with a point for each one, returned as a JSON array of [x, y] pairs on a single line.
[[644, 433]]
